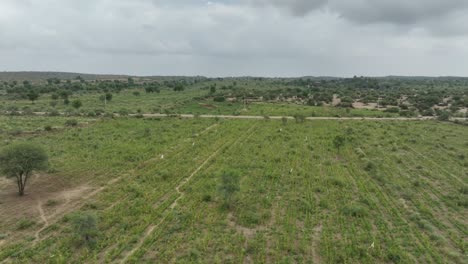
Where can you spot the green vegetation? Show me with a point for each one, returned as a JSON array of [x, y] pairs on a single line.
[[124, 188], [347, 97], [20, 160], [229, 186], [391, 194], [85, 228]]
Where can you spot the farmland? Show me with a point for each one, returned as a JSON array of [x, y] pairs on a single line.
[[234, 132], [394, 191], [379, 176]]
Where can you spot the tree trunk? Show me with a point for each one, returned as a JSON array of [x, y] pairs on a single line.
[[21, 181], [18, 183]]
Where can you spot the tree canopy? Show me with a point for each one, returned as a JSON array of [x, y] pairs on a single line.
[[20, 160]]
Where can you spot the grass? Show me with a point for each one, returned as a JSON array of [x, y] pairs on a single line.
[[169, 101], [394, 192], [275, 109], [125, 100]]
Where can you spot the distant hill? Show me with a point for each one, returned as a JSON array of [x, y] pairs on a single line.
[[42, 76], [37, 76]]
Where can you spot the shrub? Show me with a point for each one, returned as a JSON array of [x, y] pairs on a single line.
[[54, 112], [123, 112], [299, 118], [392, 110], [219, 99], [284, 120], [230, 184], [71, 123], [443, 116], [206, 198], [85, 228], [24, 224], [355, 210], [51, 203]]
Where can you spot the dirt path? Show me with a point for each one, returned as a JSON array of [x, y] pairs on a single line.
[[315, 244], [290, 117], [69, 205], [150, 229], [186, 180], [44, 220]]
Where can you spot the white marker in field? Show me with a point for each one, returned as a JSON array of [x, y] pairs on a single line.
[[162, 156]]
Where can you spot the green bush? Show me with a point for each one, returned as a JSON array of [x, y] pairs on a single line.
[[24, 224], [85, 228], [71, 123], [355, 210]]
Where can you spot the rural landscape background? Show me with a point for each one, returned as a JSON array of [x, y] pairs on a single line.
[[196, 169], [234, 131]]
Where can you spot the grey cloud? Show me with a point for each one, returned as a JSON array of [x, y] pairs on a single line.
[[441, 17], [234, 37], [395, 11], [373, 11], [296, 7]]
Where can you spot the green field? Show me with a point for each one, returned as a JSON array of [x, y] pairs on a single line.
[[394, 192], [125, 100], [276, 109]]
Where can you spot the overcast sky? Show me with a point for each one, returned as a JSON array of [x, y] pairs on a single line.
[[236, 37]]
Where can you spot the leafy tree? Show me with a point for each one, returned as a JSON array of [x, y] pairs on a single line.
[[77, 104], [179, 87], [229, 186], [85, 228], [27, 84], [152, 89], [108, 97], [32, 96], [212, 89], [20, 160]]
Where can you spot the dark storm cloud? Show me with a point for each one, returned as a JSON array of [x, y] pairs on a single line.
[[374, 11], [396, 11]]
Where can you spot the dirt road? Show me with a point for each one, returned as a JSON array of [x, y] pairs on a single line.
[[288, 117]]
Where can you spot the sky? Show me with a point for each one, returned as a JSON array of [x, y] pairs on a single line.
[[275, 38]]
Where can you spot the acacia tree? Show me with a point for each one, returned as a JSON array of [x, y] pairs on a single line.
[[32, 96], [20, 160]]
